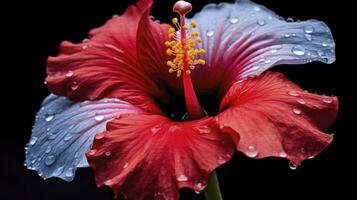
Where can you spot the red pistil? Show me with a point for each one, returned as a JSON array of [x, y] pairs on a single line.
[[192, 105]]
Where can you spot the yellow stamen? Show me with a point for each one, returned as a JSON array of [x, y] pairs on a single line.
[[184, 50]]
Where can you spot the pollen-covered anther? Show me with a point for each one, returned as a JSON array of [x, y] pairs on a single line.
[[183, 48]]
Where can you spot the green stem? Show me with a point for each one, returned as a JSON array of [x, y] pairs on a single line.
[[212, 191]]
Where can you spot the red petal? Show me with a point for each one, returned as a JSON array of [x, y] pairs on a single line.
[[149, 156], [151, 51], [274, 117], [107, 65]]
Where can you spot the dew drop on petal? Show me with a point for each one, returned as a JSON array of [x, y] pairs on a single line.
[[287, 35], [221, 160], [74, 85], [99, 117], [257, 8], [324, 44], [234, 20], [69, 172], [261, 22], [108, 182], [182, 178], [267, 61], [92, 152], [290, 19], [48, 149], [320, 53], [204, 129], [293, 93], [85, 40], [108, 153], [252, 152], [309, 29], [49, 118], [210, 33], [255, 67], [58, 171], [99, 136], [50, 160], [292, 166], [126, 165], [273, 50], [327, 100], [154, 130], [298, 50], [69, 73], [33, 140], [68, 137], [282, 154], [297, 111], [301, 101]]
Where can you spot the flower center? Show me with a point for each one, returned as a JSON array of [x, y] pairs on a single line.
[[182, 46]]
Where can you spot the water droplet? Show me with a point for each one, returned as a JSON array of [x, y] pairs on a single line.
[[33, 140], [69, 172], [182, 178], [92, 152], [45, 82], [308, 37], [267, 61], [301, 101], [297, 111], [50, 160], [255, 67], [252, 152], [324, 44], [261, 22], [86, 40], [290, 19], [99, 117], [76, 155], [309, 29], [292, 165], [126, 165], [204, 129], [199, 187], [108, 182], [221, 160], [210, 33], [154, 130], [293, 93], [282, 154], [75, 85], [68, 137], [234, 20], [48, 149], [108, 153], [311, 157], [49, 118], [69, 73], [298, 50], [99, 136], [327, 100], [287, 35], [257, 8], [273, 50]]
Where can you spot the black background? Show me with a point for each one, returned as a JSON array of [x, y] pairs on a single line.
[[32, 31]]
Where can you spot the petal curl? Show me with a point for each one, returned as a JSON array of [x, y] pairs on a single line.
[[245, 39], [63, 132], [274, 117], [106, 65], [151, 157]]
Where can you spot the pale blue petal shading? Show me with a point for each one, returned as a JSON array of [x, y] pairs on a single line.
[[63, 132], [248, 38]]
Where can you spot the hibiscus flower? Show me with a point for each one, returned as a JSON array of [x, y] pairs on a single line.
[[153, 108]]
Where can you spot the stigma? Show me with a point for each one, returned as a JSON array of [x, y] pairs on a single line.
[[182, 46]]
